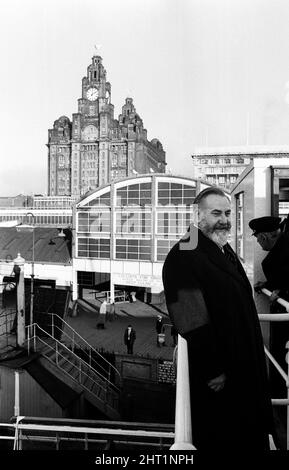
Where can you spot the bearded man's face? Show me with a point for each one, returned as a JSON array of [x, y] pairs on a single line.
[[214, 218]]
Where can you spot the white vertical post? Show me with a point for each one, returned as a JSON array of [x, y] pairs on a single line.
[[183, 425], [32, 276], [17, 395], [287, 360], [74, 284], [111, 288], [20, 309]]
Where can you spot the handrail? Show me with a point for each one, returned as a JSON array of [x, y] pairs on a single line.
[[103, 434], [108, 396], [280, 301], [75, 333], [59, 343], [279, 317]]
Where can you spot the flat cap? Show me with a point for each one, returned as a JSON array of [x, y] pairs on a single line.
[[264, 224]]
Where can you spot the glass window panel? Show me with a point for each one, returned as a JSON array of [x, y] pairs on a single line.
[[133, 187], [144, 256], [133, 242], [145, 186], [121, 249], [133, 249], [133, 201], [163, 185]]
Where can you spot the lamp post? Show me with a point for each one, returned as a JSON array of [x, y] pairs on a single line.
[[30, 228], [20, 314]]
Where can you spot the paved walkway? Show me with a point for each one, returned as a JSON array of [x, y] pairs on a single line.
[[141, 316]]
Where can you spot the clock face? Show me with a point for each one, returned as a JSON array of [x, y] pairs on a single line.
[[92, 94]]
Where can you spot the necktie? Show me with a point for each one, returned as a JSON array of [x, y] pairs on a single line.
[[230, 255]]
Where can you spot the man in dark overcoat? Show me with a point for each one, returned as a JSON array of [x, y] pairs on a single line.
[[271, 237], [129, 338], [210, 302]]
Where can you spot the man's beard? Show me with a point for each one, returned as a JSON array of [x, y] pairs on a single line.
[[218, 233]]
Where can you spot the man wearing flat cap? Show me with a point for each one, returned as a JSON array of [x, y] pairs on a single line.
[[269, 235]]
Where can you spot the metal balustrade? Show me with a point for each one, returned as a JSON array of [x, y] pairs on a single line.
[[277, 317], [80, 372], [66, 332], [27, 430]]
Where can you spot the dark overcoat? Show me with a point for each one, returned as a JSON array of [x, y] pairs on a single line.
[[132, 337], [210, 302], [276, 266], [276, 270]]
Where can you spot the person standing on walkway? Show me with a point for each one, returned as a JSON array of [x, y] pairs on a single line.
[[129, 338], [102, 315], [159, 327]]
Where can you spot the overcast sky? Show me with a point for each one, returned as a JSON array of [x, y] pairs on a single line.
[[201, 72]]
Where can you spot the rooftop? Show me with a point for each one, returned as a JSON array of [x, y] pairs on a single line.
[[241, 150], [13, 242]]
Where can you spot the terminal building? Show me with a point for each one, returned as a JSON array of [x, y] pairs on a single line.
[[120, 236]]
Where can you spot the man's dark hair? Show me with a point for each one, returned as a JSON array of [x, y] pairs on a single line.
[[207, 192]]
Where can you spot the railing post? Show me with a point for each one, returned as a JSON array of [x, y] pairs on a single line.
[[56, 351], [28, 339], [17, 395], [34, 337], [73, 341], [90, 358], [53, 325], [79, 372], [183, 424]]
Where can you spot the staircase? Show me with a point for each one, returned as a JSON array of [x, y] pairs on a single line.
[[85, 375]]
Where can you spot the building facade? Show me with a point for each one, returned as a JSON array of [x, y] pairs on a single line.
[[221, 166], [95, 148], [125, 229]]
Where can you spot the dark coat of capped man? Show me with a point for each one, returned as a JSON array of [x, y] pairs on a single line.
[[268, 232], [210, 302], [276, 264]]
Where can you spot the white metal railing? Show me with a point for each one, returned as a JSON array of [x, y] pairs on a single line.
[[20, 432], [183, 430], [119, 295], [277, 317], [107, 391], [76, 342]]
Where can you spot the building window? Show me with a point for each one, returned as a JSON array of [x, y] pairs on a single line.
[[133, 249], [175, 194], [173, 223], [103, 200], [133, 222], [93, 222], [135, 194], [93, 248], [163, 247]]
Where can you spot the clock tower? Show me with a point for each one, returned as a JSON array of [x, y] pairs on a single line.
[[95, 148]]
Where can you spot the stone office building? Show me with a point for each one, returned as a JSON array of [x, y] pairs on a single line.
[[95, 148]]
